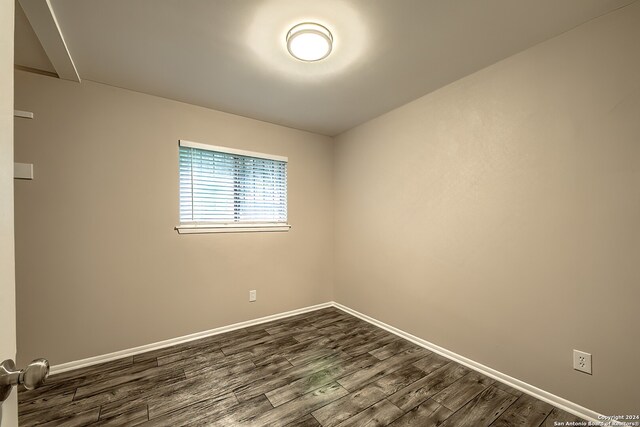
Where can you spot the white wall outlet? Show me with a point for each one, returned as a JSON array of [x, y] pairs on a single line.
[[252, 296], [582, 361]]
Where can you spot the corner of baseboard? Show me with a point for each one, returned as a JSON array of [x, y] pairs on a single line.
[[517, 384]]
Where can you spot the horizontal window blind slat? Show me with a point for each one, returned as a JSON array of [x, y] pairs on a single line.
[[230, 166], [237, 184]]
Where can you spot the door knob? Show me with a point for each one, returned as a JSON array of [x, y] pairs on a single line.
[[30, 377]]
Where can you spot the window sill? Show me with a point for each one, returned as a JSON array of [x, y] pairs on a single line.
[[231, 228]]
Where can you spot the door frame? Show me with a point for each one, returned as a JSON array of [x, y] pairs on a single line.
[[9, 409]]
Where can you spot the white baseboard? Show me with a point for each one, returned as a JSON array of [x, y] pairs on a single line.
[[77, 364], [524, 387]]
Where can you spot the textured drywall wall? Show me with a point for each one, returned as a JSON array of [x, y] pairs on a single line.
[[499, 217], [100, 267]]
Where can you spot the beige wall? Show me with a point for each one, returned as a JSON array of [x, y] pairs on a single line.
[[9, 409], [100, 267], [499, 217]]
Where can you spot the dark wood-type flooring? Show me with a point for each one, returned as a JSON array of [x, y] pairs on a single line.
[[324, 368]]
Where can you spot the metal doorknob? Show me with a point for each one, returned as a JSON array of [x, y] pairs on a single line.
[[30, 377]]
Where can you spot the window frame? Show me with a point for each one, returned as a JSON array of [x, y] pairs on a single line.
[[235, 227]]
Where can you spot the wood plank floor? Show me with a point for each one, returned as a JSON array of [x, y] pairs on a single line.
[[324, 368]]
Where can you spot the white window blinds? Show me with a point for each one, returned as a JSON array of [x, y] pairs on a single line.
[[222, 186]]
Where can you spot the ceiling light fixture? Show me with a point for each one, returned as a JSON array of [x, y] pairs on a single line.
[[309, 42]]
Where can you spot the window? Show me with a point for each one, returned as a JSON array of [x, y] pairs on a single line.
[[223, 189]]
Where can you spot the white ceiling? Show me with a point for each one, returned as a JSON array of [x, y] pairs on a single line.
[[230, 55]]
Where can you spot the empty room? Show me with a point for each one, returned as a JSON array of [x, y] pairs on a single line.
[[336, 213]]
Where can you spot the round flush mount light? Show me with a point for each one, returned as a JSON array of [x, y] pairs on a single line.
[[309, 42]]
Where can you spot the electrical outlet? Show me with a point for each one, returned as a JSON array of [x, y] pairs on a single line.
[[252, 296], [582, 361]]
